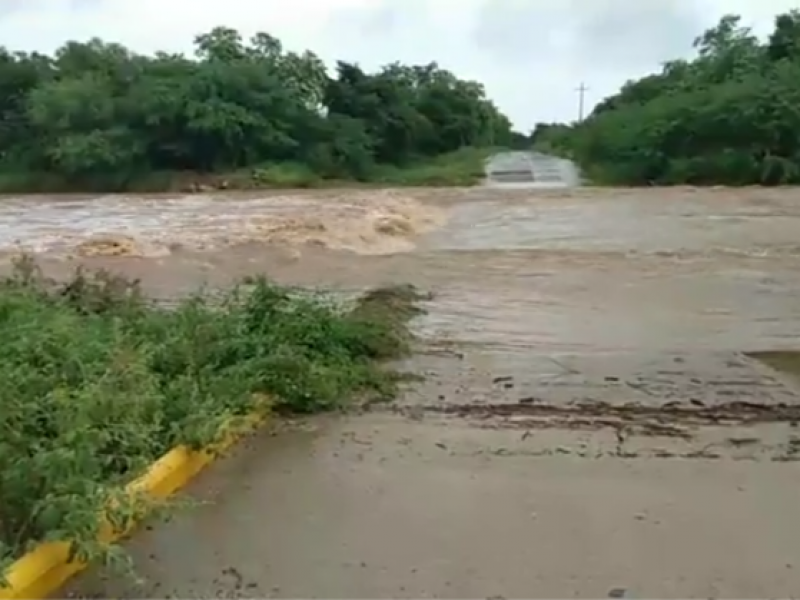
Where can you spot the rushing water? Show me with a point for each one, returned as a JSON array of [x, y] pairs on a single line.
[[566, 270]]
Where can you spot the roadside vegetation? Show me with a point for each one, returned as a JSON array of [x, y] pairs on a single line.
[[98, 116], [99, 382], [728, 116]]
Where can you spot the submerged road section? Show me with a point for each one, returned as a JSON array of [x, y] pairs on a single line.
[[607, 408]]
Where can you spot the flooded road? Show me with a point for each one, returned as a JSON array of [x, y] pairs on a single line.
[[580, 270], [592, 419]]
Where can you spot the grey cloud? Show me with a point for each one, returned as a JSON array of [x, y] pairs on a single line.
[[9, 7], [78, 5], [639, 33], [389, 31], [606, 35], [381, 19]]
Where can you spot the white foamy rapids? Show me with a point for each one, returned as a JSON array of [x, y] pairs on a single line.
[[382, 222]]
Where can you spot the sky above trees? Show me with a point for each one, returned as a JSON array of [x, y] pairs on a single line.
[[531, 54]]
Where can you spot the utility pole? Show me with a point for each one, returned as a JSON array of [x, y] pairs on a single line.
[[582, 89]]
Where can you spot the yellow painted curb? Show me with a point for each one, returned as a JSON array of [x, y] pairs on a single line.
[[47, 568]]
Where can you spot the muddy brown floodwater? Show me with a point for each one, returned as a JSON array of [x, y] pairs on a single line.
[[596, 418]]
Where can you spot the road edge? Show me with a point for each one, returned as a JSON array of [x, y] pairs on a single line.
[[45, 569]]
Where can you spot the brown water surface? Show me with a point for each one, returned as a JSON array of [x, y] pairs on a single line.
[[568, 270]]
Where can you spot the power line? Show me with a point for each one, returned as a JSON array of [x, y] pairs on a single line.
[[582, 89]]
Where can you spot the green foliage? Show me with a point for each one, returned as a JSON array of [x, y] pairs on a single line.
[[97, 115], [729, 116], [98, 382]]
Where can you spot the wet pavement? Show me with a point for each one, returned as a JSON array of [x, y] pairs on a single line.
[[379, 507], [592, 419]]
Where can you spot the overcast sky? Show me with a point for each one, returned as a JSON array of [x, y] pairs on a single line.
[[530, 54]]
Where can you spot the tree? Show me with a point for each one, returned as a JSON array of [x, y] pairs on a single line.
[[95, 108], [784, 43], [729, 115]]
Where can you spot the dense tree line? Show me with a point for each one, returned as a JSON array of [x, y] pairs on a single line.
[[730, 115], [97, 111]]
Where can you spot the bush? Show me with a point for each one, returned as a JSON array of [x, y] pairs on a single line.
[[729, 115], [98, 382], [97, 116]]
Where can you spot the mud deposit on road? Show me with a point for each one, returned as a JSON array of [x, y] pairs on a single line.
[[597, 414]]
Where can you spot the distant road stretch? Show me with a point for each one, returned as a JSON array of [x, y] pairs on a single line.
[[531, 169]]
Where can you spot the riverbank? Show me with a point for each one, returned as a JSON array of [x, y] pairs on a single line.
[[99, 383], [461, 168]]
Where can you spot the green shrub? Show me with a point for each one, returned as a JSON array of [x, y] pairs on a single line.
[[98, 382]]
